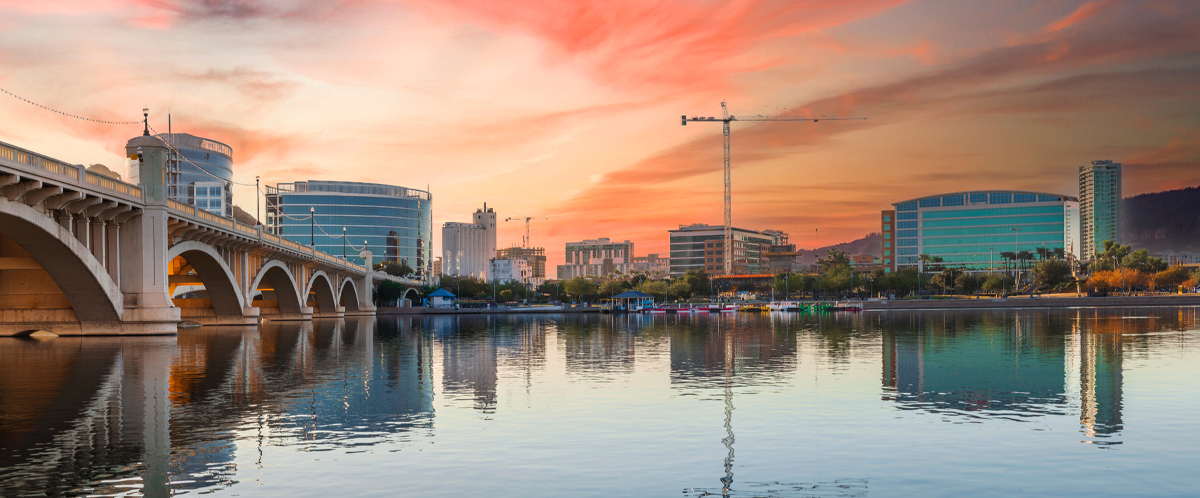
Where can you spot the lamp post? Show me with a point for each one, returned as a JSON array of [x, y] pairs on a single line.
[[257, 202], [1016, 233], [343, 242], [312, 226]]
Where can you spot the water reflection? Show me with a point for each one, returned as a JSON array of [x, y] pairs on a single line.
[[163, 415]]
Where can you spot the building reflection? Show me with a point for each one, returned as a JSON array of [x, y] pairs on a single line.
[[468, 345], [1011, 364], [752, 349]]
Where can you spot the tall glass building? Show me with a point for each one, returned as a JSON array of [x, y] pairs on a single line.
[[971, 229], [395, 222], [195, 184]]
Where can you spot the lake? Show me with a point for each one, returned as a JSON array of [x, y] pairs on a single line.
[[1072, 402]]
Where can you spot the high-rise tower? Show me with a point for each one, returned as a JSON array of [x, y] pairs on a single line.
[[1099, 207]]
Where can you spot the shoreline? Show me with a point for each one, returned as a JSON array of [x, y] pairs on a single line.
[[898, 305]]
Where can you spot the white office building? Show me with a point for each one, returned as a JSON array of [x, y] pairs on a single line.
[[512, 270], [1072, 244], [468, 247]]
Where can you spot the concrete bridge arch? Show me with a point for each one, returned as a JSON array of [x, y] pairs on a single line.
[[48, 261], [320, 296], [348, 296], [279, 279], [225, 303]]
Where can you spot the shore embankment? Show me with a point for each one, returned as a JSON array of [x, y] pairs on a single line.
[[503, 310], [1036, 302]]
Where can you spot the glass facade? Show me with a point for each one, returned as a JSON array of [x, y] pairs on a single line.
[[970, 229], [206, 183], [395, 222]]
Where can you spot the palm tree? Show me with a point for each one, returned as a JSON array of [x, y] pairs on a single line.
[[1044, 253], [1060, 253], [1025, 256], [1007, 256]]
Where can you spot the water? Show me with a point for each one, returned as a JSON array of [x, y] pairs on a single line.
[[994, 403]]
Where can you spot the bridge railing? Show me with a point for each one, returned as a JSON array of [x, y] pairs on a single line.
[[74, 174], [184, 210]]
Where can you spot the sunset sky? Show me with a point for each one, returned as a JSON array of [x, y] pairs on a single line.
[[569, 111]]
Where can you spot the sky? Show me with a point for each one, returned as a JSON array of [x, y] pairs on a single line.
[[568, 112]]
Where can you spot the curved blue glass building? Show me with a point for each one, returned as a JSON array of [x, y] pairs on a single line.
[[970, 229], [205, 184], [396, 222]]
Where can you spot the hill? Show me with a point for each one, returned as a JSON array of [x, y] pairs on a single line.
[[871, 244], [1163, 220]]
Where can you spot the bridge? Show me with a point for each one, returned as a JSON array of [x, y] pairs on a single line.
[[86, 254]]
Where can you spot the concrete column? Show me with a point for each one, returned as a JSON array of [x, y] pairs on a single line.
[[82, 232], [65, 220], [96, 227], [112, 253]]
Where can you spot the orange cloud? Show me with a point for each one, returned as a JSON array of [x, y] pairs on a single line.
[[673, 45]]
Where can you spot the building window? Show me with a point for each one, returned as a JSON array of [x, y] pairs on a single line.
[[887, 253], [929, 203], [887, 227], [887, 244], [887, 218]]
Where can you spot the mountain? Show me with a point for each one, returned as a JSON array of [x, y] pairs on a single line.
[[1162, 220], [871, 244]]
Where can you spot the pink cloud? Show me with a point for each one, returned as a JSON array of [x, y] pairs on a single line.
[[1081, 14]]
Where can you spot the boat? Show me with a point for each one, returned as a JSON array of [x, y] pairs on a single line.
[[751, 308]]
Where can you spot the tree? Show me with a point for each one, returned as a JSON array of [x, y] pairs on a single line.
[[1008, 256], [681, 289], [388, 292], [579, 287], [836, 279], [1171, 278], [699, 281], [1044, 253], [995, 282], [1113, 252], [611, 288], [393, 269], [834, 257], [968, 283], [1024, 256], [656, 288], [1060, 253], [1051, 272], [505, 295], [1142, 261]]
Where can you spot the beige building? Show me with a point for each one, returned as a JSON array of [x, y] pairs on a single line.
[[468, 247], [597, 257]]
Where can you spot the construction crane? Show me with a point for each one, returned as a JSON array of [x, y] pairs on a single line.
[[527, 220], [725, 119]]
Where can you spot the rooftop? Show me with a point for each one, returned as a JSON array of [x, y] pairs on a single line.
[[979, 197]]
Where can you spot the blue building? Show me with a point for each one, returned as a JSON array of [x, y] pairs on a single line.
[[205, 184], [971, 229], [395, 222]]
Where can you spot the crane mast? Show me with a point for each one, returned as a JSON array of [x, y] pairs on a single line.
[[725, 119], [527, 220]]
